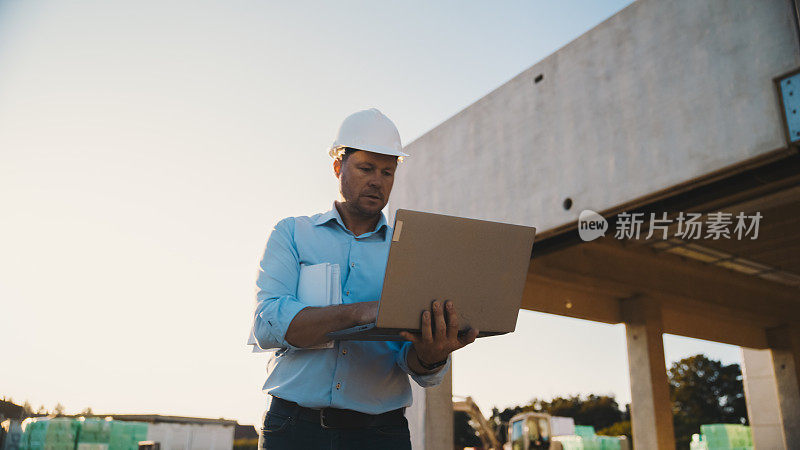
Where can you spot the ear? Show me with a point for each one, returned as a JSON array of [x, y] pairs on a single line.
[[337, 167]]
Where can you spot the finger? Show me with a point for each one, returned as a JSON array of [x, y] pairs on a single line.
[[441, 326], [427, 334], [409, 337], [468, 337], [452, 321]]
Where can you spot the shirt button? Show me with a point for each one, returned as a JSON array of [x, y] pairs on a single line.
[[352, 264], [347, 293], [338, 385], [344, 352]]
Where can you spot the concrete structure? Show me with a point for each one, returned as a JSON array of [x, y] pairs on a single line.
[[430, 414], [185, 433], [666, 107]]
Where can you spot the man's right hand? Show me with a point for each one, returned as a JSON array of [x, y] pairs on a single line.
[[311, 325], [365, 312]]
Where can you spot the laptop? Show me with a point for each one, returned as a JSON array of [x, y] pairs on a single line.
[[480, 266]]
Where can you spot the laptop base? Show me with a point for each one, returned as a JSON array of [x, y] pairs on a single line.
[[370, 332]]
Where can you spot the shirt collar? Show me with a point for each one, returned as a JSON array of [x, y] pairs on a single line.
[[333, 214]]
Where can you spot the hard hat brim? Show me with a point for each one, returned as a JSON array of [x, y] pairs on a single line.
[[334, 151]]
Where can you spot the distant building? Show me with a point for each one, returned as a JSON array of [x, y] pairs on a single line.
[[10, 410], [184, 433], [245, 432]]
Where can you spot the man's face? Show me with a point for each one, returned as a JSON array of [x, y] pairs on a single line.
[[365, 181]]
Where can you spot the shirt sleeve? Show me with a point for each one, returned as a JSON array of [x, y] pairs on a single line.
[[276, 288], [430, 380]]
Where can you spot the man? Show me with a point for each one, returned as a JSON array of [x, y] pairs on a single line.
[[352, 395]]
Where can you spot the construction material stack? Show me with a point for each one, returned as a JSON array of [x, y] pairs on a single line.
[[11, 430], [726, 436], [586, 439], [48, 434], [94, 434], [99, 434]]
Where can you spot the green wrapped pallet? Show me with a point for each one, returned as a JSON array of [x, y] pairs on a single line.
[[49, 433], [591, 443], [570, 442], [584, 430], [126, 435], [139, 432], [10, 434], [727, 436], [94, 431], [608, 442], [100, 434], [92, 446]]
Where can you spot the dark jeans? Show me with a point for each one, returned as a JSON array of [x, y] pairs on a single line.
[[283, 430]]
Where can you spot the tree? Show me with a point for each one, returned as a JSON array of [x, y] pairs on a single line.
[[59, 409], [499, 420], [87, 411], [464, 434], [27, 409], [704, 391], [599, 411], [618, 429]]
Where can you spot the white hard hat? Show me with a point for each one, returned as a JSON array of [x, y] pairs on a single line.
[[368, 130]]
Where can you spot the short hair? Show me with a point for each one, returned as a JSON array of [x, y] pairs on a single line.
[[345, 153]]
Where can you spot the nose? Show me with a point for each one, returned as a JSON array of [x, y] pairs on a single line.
[[375, 181]]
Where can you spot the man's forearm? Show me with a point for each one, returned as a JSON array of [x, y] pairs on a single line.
[[311, 324]]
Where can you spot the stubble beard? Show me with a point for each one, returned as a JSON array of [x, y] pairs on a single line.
[[354, 206]]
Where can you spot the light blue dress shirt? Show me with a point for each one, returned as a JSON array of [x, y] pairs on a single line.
[[366, 376]]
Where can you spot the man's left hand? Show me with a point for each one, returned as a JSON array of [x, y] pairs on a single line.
[[439, 336]]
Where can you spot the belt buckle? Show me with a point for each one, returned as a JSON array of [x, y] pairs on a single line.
[[322, 418]]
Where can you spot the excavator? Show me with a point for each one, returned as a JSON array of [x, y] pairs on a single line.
[[485, 432], [526, 431], [529, 430]]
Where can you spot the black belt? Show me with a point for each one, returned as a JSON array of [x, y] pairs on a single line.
[[335, 417]]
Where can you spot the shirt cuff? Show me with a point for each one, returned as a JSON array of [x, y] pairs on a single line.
[[428, 380], [273, 322]]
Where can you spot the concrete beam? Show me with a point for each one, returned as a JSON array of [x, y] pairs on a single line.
[[579, 300], [710, 324], [699, 300], [634, 270], [651, 410], [587, 281]]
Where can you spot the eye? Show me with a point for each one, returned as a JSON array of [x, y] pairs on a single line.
[[387, 173]]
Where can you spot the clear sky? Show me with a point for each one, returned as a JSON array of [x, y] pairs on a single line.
[[147, 148]]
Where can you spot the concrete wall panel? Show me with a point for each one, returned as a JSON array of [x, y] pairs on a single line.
[[661, 93]]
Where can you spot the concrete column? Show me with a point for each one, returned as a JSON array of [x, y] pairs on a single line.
[[430, 417], [761, 396], [439, 415], [784, 343], [651, 410], [415, 414]]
